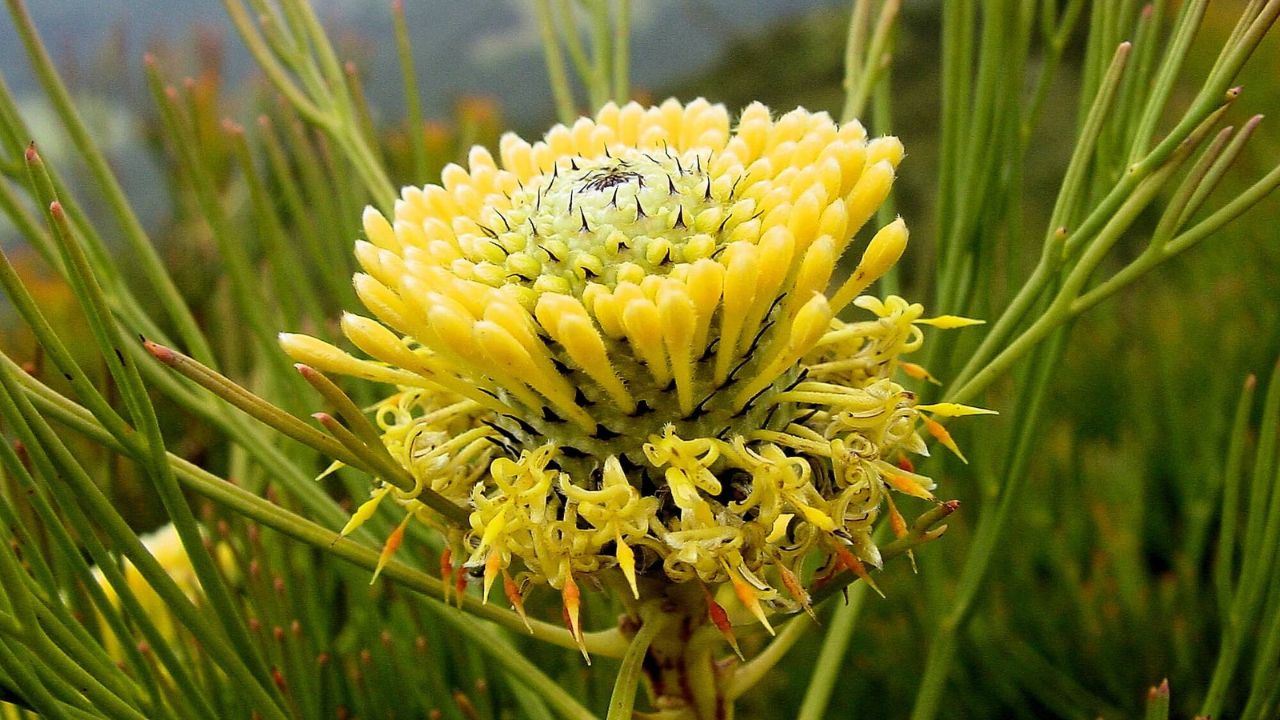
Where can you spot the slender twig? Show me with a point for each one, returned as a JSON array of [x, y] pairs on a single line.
[[991, 526], [556, 75], [623, 699], [751, 672]]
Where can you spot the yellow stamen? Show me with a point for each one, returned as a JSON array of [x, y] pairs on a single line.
[[905, 481], [327, 358], [939, 432], [516, 599], [572, 598], [918, 372], [888, 149], [855, 566], [813, 274], [514, 361], [742, 272], [566, 320], [704, 283], [809, 326], [378, 230], [627, 561], [750, 600], [946, 409], [720, 619], [643, 324], [950, 322], [867, 195], [677, 316], [792, 583], [365, 511], [389, 548], [777, 247]]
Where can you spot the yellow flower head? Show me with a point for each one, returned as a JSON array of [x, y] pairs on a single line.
[[616, 348], [165, 545]]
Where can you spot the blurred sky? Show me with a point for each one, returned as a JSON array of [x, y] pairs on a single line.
[[488, 47]]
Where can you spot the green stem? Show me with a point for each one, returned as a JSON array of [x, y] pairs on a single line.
[[412, 97], [622, 53], [31, 687], [242, 502], [854, 55], [1179, 244], [1062, 309], [274, 70], [1051, 256], [1233, 471], [1262, 535], [73, 555], [653, 620], [991, 527], [45, 449], [251, 404], [872, 66], [753, 671], [830, 662], [48, 339], [110, 339], [555, 63], [568, 22], [53, 658], [601, 55]]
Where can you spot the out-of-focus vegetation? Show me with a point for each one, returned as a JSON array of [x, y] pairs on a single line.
[[1104, 586], [1108, 580]]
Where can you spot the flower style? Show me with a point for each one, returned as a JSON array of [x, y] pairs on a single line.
[[616, 350]]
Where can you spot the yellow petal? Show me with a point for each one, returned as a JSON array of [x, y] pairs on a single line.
[[817, 518], [364, 512], [779, 530], [747, 596], [627, 561], [950, 322], [492, 565], [947, 409]]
